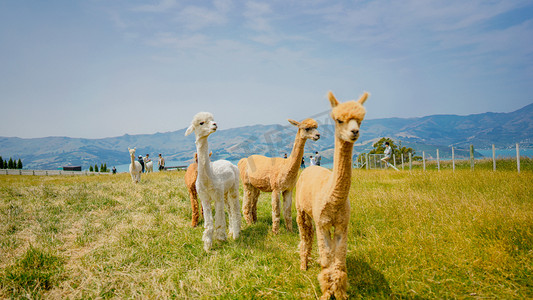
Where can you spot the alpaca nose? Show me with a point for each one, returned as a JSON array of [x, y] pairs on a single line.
[[215, 124], [355, 132]]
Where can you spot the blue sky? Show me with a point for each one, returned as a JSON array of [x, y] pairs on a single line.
[[101, 68]]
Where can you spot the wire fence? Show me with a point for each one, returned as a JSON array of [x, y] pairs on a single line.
[[375, 161]]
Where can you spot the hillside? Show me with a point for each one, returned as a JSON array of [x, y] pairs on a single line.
[[422, 134]]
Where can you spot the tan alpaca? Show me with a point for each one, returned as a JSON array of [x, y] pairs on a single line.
[[322, 196], [277, 175], [190, 181]]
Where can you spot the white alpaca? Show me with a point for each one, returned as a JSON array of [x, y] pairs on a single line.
[[148, 165], [135, 167], [217, 181]]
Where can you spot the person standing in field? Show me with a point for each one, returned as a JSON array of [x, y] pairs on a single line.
[[161, 162], [388, 153], [303, 163], [317, 158], [312, 161], [141, 161]]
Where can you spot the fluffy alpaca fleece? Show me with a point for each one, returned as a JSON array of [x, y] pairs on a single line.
[[322, 196], [216, 182], [276, 175], [148, 166], [190, 181], [135, 167]]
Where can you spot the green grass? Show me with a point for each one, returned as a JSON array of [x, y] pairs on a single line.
[[412, 235]]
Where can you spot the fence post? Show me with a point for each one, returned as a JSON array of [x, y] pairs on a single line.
[[394, 159], [402, 161], [453, 159], [438, 160], [493, 158], [472, 157], [410, 161], [367, 162], [424, 159], [517, 158]]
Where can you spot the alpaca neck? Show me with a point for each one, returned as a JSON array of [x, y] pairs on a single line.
[[204, 163], [295, 160], [342, 170], [132, 159]]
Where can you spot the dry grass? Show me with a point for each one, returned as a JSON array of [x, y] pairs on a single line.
[[413, 234]]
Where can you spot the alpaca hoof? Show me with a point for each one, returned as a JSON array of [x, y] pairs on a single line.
[[207, 246], [303, 266], [220, 236]]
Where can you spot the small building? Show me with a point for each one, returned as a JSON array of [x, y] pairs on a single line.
[[72, 168]]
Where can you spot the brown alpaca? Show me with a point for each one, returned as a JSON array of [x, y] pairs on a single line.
[[190, 181], [277, 175], [322, 196]]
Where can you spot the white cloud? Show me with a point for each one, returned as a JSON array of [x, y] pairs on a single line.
[[256, 16], [162, 6], [196, 18]]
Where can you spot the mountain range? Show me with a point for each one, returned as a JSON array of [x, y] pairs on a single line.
[[428, 133]]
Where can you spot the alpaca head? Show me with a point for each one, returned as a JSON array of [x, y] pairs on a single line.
[[347, 117], [132, 151], [307, 129], [202, 124]]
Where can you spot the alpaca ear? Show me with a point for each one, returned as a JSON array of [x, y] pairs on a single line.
[[210, 153], [129, 149], [363, 98], [332, 100], [195, 157], [295, 123], [189, 130]]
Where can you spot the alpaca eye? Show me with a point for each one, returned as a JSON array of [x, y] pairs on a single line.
[[201, 123], [307, 129], [340, 122]]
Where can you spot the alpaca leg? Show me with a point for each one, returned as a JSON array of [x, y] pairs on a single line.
[[255, 198], [305, 226], [220, 217], [194, 206], [287, 209], [234, 213], [247, 203], [208, 220], [325, 250], [339, 276], [275, 211]]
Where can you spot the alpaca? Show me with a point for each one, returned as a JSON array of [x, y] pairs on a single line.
[[148, 165], [277, 175], [217, 181], [135, 167], [322, 196], [190, 181]]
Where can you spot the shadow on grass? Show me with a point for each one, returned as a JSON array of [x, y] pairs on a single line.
[[366, 282]]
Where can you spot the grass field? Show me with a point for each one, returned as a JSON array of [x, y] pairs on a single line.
[[412, 235]]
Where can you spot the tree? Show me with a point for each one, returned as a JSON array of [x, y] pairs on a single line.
[[105, 168], [96, 167], [10, 164], [90, 168], [19, 164], [102, 169], [1, 163], [5, 164]]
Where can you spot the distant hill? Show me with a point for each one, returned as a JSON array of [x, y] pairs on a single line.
[[423, 134]]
